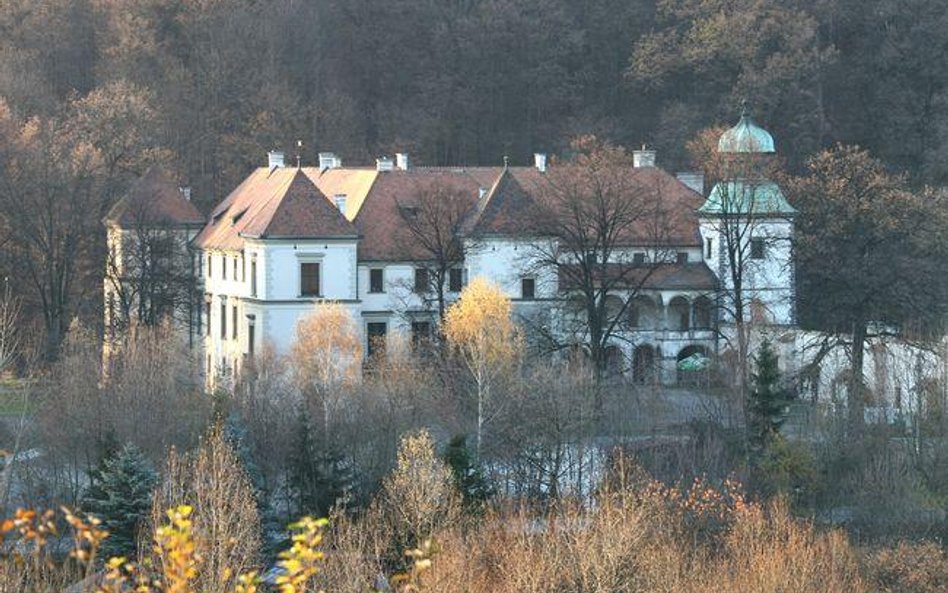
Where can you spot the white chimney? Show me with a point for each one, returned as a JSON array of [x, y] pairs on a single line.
[[384, 164], [643, 158], [275, 159], [539, 159], [186, 192], [329, 160], [401, 161], [692, 179]]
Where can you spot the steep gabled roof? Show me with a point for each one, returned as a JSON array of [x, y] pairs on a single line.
[[154, 200], [281, 202], [302, 211], [508, 209], [385, 235]]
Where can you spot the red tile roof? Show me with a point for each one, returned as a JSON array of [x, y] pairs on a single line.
[[522, 197], [154, 199], [282, 202], [385, 235]]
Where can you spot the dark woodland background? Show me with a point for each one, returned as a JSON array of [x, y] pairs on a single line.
[[97, 90]]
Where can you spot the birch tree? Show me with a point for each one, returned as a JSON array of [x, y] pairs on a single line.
[[480, 329]]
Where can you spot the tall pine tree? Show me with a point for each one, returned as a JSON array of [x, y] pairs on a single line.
[[768, 400]]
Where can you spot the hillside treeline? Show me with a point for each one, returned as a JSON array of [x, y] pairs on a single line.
[[95, 91]]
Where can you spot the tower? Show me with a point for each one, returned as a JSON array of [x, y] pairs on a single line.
[[746, 225]]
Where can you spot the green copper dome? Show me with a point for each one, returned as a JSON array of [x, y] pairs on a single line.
[[746, 136]]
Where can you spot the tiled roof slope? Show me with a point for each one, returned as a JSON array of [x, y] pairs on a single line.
[[508, 208], [250, 209], [384, 234], [154, 199], [303, 212], [515, 206]]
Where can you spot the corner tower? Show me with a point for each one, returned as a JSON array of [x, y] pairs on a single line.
[[747, 228]]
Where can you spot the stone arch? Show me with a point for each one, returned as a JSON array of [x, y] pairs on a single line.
[[614, 360], [702, 312], [679, 314], [644, 313], [691, 376], [644, 363]]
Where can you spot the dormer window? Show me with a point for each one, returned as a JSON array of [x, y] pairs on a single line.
[[340, 201]]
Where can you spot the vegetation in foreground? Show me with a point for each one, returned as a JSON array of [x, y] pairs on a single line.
[[636, 535]]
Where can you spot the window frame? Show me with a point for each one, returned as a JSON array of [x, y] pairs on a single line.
[[455, 280], [303, 293], [380, 289], [422, 281], [758, 248], [533, 288]]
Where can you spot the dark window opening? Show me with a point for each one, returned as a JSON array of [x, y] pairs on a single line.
[[455, 280], [682, 257], [207, 315], [638, 259], [708, 248], [421, 280], [527, 288], [253, 278], [233, 324], [224, 267], [223, 321], [309, 279], [251, 330], [376, 331], [376, 280], [420, 333], [757, 248]]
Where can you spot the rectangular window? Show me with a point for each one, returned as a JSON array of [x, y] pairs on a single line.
[[223, 320], [638, 259], [708, 248], [528, 288], [251, 330], [224, 267], [210, 267], [207, 316], [420, 333], [233, 323], [455, 279], [236, 267], [758, 249], [375, 332], [309, 279], [682, 257], [376, 280], [421, 280], [253, 277]]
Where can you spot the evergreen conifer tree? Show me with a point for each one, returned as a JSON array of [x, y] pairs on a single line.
[[768, 400], [319, 474], [121, 498], [468, 477]]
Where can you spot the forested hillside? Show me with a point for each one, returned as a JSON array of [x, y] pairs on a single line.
[[95, 90]]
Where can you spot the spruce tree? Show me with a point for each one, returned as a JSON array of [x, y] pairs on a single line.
[[468, 477], [121, 498], [768, 400]]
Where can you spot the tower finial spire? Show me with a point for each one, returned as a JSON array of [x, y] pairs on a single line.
[[745, 107], [506, 161]]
